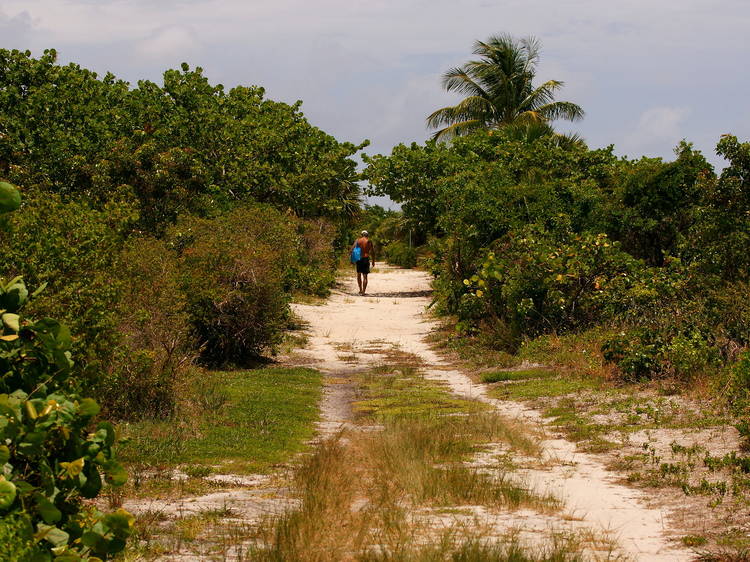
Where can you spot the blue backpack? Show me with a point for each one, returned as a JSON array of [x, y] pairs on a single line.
[[356, 254]]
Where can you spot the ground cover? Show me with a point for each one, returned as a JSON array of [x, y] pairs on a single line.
[[198, 479], [387, 487], [682, 448], [232, 421]]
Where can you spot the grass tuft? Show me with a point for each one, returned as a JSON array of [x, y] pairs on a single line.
[[506, 376]]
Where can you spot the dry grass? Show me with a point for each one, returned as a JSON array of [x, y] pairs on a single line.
[[361, 494]]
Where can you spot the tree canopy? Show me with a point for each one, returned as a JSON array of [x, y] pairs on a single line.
[[500, 91]]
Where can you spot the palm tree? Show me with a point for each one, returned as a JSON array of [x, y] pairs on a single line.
[[499, 90], [530, 132]]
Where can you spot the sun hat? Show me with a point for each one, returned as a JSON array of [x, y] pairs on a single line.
[[364, 233]]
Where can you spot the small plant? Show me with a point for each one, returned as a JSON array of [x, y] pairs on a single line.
[[693, 540], [197, 470]]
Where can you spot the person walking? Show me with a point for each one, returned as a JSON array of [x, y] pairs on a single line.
[[367, 253]]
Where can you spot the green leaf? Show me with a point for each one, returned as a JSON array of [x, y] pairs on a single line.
[[7, 493], [10, 198], [94, 541], [88, 407], [12, 321], [32, 443], [4, 454], [109, 430], [116, 474], [50, 514], [93, 484], [53, 535], [120, 523], [39, 289], [73, 468]]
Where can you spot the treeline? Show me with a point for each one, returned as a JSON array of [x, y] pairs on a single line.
[[537, 234], [179, 211], [163, 228]]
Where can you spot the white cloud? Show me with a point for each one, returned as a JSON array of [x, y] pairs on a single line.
[[658, 128], [169, 43]]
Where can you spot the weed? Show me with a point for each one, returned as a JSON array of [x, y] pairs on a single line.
[[197, 470], [693, 540], [503, 376]]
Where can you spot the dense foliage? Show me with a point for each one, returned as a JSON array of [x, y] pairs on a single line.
[[185, 146], [533, 236], [170, 223], [52, 455]]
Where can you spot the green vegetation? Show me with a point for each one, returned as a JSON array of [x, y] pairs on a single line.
[[628, 279], [529, 238], [54, 456], [171, 223], [233, 421], [402, 391], [504, 376], [170, 226]]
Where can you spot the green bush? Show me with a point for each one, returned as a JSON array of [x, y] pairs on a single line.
[[156, 346], [312, 270], [400, 254], [183, 146], [232, 271], [736, 389], [74, 250], [536, 284], [644, 353], [53, 455]]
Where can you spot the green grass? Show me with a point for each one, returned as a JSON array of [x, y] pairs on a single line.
[[403, 392], [526, 374], [546, 387], [239, 421], [471, 352]]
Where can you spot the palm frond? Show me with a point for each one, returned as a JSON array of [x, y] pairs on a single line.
[[471, 108], [457, 130], [529, 117], [460, 80], [569, 140], [532, 47], [561, 110], [541, 95]]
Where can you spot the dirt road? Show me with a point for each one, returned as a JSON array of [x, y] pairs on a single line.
[[353, 332]]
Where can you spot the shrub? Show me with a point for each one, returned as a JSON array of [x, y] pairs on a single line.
[[156, 345], [736, 382], [535, 284], [232, 271], [52, 454], [636, 354], [399, 253], [73, 250], [660, 351], [312, 270]]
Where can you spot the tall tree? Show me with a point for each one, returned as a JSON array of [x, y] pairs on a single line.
[[499, 90]]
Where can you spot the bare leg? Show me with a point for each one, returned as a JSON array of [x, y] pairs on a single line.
[[364, 283], [359, 282]]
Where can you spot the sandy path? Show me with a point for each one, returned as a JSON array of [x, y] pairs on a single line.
[[352, 332]]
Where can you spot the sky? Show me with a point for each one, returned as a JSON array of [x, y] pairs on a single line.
[[648, 73]]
